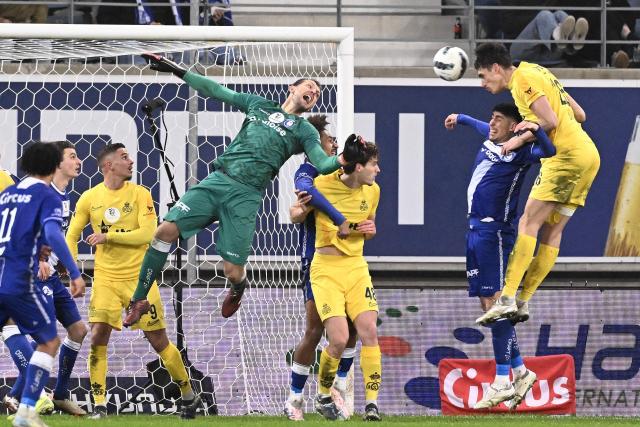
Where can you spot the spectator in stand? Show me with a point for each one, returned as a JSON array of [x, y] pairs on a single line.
[[35, 14], [622, 25], [550, 26], [221, 17]]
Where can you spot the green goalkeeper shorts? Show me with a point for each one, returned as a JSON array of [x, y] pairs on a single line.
[[220, 198]]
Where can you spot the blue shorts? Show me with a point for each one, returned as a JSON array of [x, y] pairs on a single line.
[[66, 309], [32, 312], [488, 251], [305, 276]]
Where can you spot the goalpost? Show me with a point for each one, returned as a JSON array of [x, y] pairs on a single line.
[[87, 84]]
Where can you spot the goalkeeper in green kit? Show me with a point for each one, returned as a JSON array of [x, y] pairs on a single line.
[[232, 193]]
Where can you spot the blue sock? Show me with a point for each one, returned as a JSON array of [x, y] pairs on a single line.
[[502, 332], [67, 359], [516, 359], [299, 375], [345, 362], [21, 352], [36, 377]]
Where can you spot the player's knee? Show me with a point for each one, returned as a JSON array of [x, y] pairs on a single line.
[[336, 346], [313, 333], [50, 347], [77, 332], [167, 232]]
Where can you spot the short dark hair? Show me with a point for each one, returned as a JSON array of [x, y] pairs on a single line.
[[40, 159], [299, 82], [108, 149], [367, 151], [488, 54], [319, 121], [63, 145], [508, 110]]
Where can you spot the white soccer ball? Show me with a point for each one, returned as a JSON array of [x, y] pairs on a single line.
[[450, 63]]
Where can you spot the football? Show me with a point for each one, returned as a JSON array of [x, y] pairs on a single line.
[[450, 63]]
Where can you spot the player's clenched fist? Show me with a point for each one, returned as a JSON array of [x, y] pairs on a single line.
[[451, 121], [76, 287]]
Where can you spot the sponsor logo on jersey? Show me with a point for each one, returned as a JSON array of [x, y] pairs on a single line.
[[104, 228], [112, 214], [276, 118], [288, 123], [14, 198]]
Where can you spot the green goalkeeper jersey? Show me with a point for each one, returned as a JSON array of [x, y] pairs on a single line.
[[267, 139]]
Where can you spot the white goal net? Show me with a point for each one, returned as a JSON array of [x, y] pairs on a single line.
[[56, 83]]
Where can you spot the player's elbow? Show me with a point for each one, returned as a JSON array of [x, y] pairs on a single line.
[[580, 116]]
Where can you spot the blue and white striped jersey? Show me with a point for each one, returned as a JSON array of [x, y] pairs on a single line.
[[494, 188]]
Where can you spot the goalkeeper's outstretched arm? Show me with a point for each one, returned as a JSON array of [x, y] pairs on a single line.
[[203, 85]]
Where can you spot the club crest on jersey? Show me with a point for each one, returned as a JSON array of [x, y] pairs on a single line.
[[364, 206], [112, 214], [288, 123], [276, 118], [127, 207]]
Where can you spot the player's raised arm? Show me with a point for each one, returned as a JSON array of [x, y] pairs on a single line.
[[203, 85], [481, 127], [542, 147], [79, 220]]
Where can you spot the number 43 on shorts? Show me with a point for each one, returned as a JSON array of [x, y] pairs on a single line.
[[370, 293]]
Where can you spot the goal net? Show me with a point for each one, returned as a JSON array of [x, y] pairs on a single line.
[[88, 85]]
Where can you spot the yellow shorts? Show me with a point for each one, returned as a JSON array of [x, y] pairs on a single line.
[[567, 177], [109, 298], [342, 286]]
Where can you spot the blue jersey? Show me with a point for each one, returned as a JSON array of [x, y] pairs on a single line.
[[494, 188], [24, 209], [307, 234], [66, 215]]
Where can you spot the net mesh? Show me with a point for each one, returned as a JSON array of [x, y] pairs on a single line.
[[92, 93]]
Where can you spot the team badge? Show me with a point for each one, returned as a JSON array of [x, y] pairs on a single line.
[[276, 118], [288, 123], [127, 207], [364, 206], [112, 215], [66, 208]]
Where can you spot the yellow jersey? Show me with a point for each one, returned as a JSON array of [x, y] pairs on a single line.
[[356, 204], [5, 179], [128, 218], [531, 81]]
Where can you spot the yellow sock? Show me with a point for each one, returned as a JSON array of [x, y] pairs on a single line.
[[371, 365], [327, 372], [98, 373], [519, 261], [173, 362], [538, 270]]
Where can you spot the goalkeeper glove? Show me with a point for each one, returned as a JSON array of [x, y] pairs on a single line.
[[353, 148], [162, 64]]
